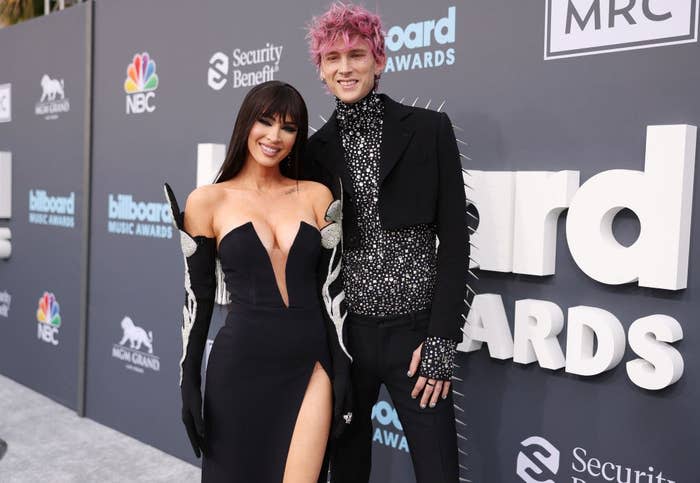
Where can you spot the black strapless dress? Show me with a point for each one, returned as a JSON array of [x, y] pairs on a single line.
[[262, 358]]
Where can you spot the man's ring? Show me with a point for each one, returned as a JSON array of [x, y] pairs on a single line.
[[429, 384]]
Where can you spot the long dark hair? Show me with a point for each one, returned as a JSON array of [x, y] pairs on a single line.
[[269, 99]]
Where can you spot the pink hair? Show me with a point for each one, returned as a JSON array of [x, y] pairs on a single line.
[[349, 22]]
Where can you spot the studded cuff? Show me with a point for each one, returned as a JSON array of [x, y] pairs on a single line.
[[437, 358]]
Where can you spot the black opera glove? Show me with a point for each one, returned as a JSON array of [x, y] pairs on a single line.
[[334, 312], [437, 358], [200, 289]]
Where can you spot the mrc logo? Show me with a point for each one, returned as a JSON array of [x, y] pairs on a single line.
[[586, 27], [140, 84]]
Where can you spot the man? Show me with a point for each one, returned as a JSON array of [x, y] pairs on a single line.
[[402, 189]]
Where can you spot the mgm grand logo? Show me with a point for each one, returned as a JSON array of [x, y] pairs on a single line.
[[136, 348]]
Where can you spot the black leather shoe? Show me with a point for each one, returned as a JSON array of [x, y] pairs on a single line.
[[3, 448]]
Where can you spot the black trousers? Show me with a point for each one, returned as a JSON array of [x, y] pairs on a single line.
[[382, 350]]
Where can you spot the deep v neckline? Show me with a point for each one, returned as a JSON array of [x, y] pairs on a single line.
[[249, 224]]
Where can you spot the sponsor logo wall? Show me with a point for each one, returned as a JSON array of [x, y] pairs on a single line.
[[41, 193]]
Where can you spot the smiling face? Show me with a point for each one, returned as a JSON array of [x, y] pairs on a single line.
[[349, 71], [271, 139]]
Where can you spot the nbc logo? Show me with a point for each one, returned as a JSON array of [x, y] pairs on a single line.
[[5, 102], [48, 316], [141, 81]]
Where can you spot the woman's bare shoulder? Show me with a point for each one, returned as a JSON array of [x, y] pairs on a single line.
[[199, 209], [317, 191]]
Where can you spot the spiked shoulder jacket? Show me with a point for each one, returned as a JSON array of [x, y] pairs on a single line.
[[420, 182]]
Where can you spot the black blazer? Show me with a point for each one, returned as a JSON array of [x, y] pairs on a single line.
[[420, 178]]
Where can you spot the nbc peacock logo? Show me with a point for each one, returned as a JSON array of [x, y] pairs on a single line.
[[140, 84], [48, 316]]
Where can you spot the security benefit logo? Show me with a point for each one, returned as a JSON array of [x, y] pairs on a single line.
[[48, 316], [244, 68], [136, 348], [387, 429], [5, 102], [140, 84], [585, 27], [423, 44], [5, 300], [138, 218], [53, 101], [539, 461], [53, 210]]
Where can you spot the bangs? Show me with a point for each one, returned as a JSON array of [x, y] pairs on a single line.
[[286, 104]]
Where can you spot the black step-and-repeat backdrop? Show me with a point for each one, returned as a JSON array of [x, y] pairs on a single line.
[[581, 348], [42, 99]]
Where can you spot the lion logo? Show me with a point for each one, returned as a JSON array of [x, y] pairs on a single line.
[[51, 88], [136, 336]]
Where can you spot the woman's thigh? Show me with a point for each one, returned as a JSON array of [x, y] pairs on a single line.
[[308, 444]]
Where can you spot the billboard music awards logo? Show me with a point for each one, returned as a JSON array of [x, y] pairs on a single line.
[[244, 68], [51, 210], [425, 44], [48, 316], [539, 461], [5, 102], [388, 431], [136, 348], [138, 218], [5, 300], [140, 84], [586, 27], [53, 99]]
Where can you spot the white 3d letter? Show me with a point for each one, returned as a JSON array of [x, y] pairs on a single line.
[[661, 365], [540, 197], [585, 324], [661, 196], [492, 193], [537, 324], [210, 157], [487, 322], [5, 202]]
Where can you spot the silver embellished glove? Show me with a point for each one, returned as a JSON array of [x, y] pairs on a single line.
[[437, 358]]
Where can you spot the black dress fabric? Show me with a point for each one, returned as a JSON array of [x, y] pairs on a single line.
[[262, 358]]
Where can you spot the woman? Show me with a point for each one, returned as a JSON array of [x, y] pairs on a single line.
[[268, 400]]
